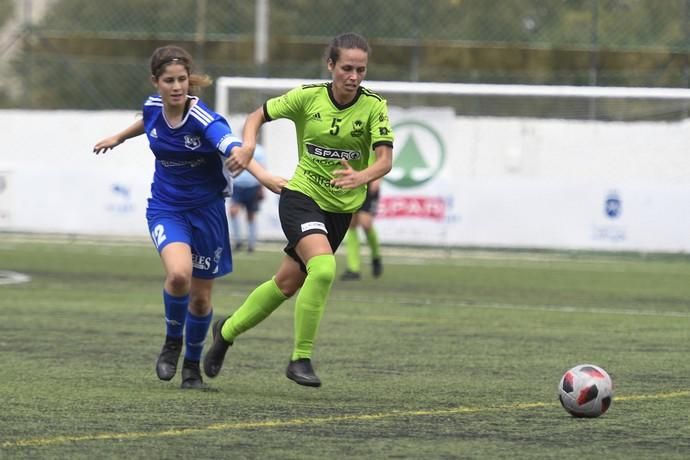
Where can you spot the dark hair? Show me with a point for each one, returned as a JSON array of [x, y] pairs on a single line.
[[165, 55], [349, 40]]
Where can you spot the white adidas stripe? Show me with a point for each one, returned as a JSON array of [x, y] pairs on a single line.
[[203, 121], [201, 113]]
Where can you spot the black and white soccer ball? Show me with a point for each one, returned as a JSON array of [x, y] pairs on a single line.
[[586, 390]]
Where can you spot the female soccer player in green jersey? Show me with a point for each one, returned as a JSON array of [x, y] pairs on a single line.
[[337, 124]]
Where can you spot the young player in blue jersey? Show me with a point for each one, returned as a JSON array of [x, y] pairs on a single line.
[[338, 124], [186, 211], [247, 193]]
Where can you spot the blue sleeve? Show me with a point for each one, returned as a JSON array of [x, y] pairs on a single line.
[[219, 134]]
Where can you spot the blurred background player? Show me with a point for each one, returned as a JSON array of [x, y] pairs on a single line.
[[364, 219], [247, 193]]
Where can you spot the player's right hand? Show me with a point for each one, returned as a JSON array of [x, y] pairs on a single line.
[[106, 144], [239, 159]]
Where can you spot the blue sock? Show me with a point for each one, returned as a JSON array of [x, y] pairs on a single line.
[[195, 335], [175, 313]]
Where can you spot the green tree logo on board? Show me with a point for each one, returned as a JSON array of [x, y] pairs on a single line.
[[420, 157]]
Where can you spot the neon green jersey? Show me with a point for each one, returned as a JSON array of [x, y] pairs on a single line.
[[328, 132]]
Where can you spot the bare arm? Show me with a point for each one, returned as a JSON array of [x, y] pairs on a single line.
[[349, 178], [241, 156], [383, 163], [252, 126], [375, 185], [134, 130], [270, 181]]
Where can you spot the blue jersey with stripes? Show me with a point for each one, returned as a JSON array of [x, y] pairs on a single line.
[[189, 168]]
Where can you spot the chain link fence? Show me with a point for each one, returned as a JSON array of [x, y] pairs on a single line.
[[86, 54]]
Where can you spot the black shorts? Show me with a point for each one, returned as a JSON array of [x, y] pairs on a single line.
[[301, 216], [371, 203]]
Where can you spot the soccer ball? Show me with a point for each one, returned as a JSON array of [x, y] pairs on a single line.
[[586, 390]]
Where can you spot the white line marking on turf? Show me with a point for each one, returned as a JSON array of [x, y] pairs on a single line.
[[58, 440], [499, 306], [8, 277], [588, 310]]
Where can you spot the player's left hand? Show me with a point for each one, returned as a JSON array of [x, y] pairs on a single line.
[[347, 177]]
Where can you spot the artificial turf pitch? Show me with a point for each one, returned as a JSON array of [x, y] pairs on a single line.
[[451, 354]]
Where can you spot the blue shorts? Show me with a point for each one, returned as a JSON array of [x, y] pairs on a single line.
[[204, 229], [247, 197]]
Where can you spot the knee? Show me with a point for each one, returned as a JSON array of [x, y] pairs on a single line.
[[288, 286], [178, 282], [200, 305], [321, 269]]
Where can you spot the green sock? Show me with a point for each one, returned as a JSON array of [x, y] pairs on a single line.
[[261, 302], [352, 246], [373, 240], [311, 303]]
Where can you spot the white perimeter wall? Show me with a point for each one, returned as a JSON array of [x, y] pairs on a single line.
[[456, 181]]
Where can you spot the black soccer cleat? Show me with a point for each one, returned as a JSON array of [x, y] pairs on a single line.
[[191, 376], [213, 361], [349, 275], [300, 371], [166, 365], [376, 267]]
